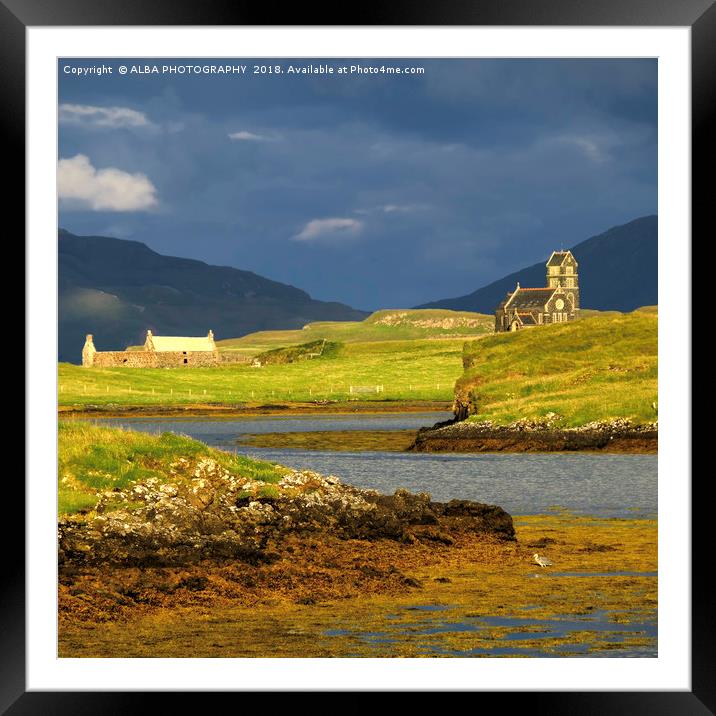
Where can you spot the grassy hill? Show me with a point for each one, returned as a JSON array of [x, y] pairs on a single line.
[[392, 355], [386, 325], [603, 366]]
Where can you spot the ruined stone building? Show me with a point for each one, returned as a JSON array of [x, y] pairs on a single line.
[[557, 302], [157, 352]]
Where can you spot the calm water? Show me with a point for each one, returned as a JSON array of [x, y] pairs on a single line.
[[541, 631], [601, 485]]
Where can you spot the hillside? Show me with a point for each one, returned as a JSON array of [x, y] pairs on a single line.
[[385, 325], [600, 368], [618, 271], [117, 289]]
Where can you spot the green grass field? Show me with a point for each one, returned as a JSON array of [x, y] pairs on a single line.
[[392, 355], [601, 367], [387, 370], [93, 458]]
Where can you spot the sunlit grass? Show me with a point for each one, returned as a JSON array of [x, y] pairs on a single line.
[[93, 458], [601, 367], [421, 369], [386, 325]]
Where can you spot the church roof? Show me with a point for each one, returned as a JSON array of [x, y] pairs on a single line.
[[527, 318], [182, 343], [557, 258], [524, 299]]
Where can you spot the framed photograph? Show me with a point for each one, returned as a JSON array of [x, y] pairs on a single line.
[[358, 333]]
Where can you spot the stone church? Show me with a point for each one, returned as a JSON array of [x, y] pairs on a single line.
[[557, 302], [157, 352]]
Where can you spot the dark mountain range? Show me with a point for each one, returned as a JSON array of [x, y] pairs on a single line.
[[117, 289], [617, 272]]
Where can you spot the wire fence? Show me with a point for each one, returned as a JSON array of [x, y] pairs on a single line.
[[348, 390]]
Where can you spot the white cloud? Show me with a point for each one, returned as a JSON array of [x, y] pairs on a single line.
[[322, 229], [394, 209], [102, 117], [589, 145], [244, 136], [81, 185]]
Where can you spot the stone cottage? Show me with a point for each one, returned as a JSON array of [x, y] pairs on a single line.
[[157, 352], [557, 302]]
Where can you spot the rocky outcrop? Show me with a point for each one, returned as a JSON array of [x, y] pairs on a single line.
[[537, 436], [218, 516], [402, 318]]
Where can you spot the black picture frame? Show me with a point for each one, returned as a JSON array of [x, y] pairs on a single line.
[[699, 15]]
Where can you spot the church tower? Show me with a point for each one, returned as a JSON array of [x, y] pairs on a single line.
[[562, 272]]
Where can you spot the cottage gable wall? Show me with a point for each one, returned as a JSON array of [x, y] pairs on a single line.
[[162, 352]]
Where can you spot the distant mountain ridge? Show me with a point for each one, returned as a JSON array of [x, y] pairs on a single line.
[[117, 289], [618, 271]]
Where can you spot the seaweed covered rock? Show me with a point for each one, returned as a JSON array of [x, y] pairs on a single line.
[[537, 435], [203, 512]]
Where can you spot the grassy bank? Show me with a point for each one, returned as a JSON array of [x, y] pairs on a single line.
[[599, 368], [93, 458]]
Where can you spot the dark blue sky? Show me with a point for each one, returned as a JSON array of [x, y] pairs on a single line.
[[375, 190]]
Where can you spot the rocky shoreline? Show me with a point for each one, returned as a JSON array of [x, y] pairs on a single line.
[[204, 535], [219, 516], [617, 436]]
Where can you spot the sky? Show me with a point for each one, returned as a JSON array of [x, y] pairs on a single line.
[[379, 190]]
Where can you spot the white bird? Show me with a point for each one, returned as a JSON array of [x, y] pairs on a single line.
[[542, 561]]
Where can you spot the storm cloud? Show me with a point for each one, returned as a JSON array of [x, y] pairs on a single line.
[[377, 191]]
